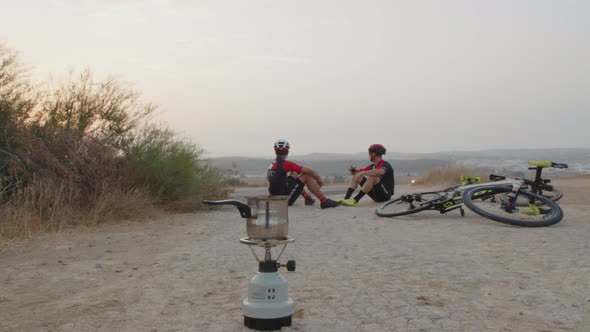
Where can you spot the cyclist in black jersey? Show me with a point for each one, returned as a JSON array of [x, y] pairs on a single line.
[[376, 180]]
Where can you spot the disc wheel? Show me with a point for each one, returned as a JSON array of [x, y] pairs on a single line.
[[547, 214], [409, 204]]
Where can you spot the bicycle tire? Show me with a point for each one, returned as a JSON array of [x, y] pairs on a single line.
[[554, 215], [554, 196], [389, 209]]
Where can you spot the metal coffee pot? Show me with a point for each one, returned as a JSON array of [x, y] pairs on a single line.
[[267, 217]]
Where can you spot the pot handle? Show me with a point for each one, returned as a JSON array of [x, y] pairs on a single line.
[[245, 210]]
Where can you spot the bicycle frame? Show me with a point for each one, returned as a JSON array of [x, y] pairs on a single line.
[[454, 199], [539, 184]]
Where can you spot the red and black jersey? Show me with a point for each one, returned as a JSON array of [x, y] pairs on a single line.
[[277, 175], [387, 178]]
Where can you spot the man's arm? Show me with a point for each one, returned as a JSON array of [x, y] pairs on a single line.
[[308, 171], [370, 171], [373, 172]]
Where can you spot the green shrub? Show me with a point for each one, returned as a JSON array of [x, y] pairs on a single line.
[[172, 169]]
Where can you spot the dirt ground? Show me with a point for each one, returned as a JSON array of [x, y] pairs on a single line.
[[355, 272]]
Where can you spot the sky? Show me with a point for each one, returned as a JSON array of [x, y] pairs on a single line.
[[330, 76]]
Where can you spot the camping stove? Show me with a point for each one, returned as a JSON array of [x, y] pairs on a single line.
[[268, 306]]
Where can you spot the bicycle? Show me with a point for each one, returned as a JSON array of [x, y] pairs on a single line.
[[539, 185], [481, 198]]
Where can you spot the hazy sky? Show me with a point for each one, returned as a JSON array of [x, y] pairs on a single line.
[[330, 76]]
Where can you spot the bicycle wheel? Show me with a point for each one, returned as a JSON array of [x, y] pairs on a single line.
[[408, 204], [553, 195], [531, 216]]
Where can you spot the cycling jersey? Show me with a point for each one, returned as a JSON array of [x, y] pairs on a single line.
[[387, 180], [277, 176]]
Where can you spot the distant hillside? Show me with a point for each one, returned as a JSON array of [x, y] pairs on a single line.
[[564, 155], [254, 167], [331, 164]]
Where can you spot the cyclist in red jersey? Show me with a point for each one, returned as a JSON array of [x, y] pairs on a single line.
[[376, 180], [280, 182]]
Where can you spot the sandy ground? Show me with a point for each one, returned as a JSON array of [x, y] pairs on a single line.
[[355, 272]]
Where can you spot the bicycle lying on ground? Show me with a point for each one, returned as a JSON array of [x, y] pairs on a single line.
[[539, 185], [496, 200]]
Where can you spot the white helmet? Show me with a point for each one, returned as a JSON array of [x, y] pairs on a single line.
[[282, 145]]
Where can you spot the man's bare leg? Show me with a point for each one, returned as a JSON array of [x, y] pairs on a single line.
[[370, 183], [367, 185], [312, 185], [367, 182]]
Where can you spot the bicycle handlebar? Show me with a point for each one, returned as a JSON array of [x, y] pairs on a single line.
[[558, 165]]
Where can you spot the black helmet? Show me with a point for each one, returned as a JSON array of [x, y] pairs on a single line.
[[378, 149]]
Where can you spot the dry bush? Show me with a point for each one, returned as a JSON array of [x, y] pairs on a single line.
[[38, 207], [48, 206], [115, 204], [57, 180], [450, 175], [85, 164], [77, 155]]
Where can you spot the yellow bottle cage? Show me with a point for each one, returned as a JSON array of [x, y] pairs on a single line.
[[541, 163], [465, 179]]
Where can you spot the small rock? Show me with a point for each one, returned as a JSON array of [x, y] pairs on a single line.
[[109, 251], [298, 313], [118, 271], [98, 266]]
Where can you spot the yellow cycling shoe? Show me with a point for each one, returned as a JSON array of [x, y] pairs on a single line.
[[349, 202]]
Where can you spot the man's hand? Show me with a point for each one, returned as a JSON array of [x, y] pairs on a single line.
[[352, 169]]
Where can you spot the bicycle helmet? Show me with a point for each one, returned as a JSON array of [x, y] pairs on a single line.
[[378, 149], [282, 145]]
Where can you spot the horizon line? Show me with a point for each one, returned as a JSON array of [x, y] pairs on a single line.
[[397, 152]]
